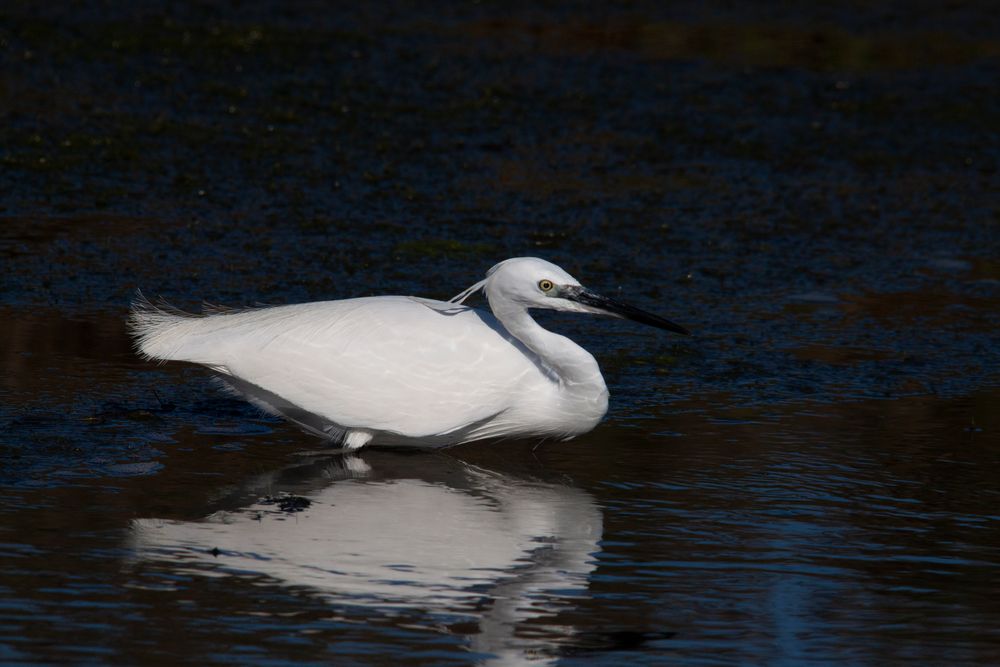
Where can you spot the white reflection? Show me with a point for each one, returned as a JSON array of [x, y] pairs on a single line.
[[443, 537]]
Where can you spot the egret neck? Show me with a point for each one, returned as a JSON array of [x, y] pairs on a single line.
[[570, 364]]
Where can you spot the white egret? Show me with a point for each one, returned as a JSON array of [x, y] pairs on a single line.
[[403, 370]]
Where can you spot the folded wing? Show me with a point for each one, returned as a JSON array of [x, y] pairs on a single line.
[[406, 366]]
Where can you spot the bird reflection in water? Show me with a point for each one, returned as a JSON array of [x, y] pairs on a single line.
[[388, 531]]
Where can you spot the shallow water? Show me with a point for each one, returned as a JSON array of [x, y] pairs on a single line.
[[810, 478], [863, 530]]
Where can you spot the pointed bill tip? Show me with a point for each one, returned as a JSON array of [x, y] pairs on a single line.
[[618, 309]]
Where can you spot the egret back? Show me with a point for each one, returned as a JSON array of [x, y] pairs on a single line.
[[406, 366]]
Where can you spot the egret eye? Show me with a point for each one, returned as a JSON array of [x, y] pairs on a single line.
[[545, 285]]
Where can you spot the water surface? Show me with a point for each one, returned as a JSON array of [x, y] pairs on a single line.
[[863, 530], [810, 478]]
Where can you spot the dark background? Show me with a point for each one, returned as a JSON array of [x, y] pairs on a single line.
[[811, 189], [761, 172]]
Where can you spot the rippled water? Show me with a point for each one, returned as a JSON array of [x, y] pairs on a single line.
[[810, 478], [858, 530]]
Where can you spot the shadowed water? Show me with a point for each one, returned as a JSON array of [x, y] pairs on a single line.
[[865, 530], [810, 478]]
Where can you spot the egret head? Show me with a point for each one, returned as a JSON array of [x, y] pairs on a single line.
[[530, 282]]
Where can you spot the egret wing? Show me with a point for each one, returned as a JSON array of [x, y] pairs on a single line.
[[409, 366]]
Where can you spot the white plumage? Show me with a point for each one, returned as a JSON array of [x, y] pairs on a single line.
[[403, 370]]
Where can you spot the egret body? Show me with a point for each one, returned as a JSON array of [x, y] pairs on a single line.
[[399, 370]]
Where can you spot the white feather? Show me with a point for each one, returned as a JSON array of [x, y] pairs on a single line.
[[397, 369]]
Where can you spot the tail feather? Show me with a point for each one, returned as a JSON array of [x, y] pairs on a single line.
[[159, 329]]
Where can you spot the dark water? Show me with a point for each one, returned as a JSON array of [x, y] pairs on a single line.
[[811, 478]]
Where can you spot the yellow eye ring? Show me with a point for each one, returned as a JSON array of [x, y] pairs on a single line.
[[545, 285]]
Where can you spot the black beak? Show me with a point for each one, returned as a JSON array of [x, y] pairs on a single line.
[[618, 309]]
